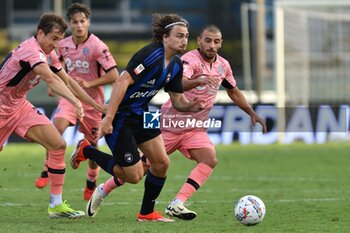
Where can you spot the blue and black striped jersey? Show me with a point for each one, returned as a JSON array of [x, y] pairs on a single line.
[[150, 75]]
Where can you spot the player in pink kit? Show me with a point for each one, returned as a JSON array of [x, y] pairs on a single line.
[[88, 61], [21, 70], [204, 71]]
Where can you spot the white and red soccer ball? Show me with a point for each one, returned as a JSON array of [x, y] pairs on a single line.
[[250, 210]]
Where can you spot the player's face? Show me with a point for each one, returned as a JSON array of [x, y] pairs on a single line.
[[50, 41], [209, 44], [79, 25], [176, 41]]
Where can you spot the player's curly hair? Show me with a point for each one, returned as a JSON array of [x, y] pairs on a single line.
[[50, 21], [162, 24], [78, 8]]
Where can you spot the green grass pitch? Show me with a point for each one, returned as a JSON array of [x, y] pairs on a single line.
[[305, 189]]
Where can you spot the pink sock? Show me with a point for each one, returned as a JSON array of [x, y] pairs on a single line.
[[56, 170], [199, 175], [46, 161], [92, 174], [110, 184]]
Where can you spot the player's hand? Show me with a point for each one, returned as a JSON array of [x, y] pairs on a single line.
[[212, 81], [255, 118], [102, 108], [196, 105], [79, 110], [82, 82], [105, 127], [209, 80]]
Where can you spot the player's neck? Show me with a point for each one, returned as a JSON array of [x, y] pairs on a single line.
[[168, 55], [80, 39]]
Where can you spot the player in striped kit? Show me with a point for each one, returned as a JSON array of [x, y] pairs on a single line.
[[153, 67], [204, 71], [88, 61]]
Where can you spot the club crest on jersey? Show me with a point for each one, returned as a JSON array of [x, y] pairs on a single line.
[[167, 79], [128, 157], [139, 69], [221, 70], [49, 60], [42, 57], [86, 51]]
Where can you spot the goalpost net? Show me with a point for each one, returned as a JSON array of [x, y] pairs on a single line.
[[312, 53]]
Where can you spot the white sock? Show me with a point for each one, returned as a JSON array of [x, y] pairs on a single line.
[[101, 192], [176, 201], [55, 200]]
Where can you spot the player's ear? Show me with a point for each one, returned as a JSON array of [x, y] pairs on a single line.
[[40, 32]]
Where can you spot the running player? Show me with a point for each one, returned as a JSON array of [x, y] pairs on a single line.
[[153, 67], [88, 61], [204, 71], [21, 70]]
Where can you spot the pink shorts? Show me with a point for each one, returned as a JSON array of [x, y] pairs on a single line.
[[186, 141], [20, 122], [90, 123]]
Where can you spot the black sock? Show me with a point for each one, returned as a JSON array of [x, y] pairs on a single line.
[[153, 187], [90, 184], [44, 174], [104, 160]]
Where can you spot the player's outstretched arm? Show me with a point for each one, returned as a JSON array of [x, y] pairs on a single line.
[[238, 98], [182, 104], [58, 86], [78, 91], [189, 84], [118, 91]]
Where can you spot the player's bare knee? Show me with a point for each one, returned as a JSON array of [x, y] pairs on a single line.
[[61, 144], [134, 179], [211, 162], [161, 165], [57, 145]]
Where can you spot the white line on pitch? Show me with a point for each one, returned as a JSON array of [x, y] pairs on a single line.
[[12, 204]]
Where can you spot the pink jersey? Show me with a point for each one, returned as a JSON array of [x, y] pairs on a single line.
[[88, 60], [17, 76], [195, 67]]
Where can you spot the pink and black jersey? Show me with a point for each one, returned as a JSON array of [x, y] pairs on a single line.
[[17, 76], [195, 67], [88, 60]]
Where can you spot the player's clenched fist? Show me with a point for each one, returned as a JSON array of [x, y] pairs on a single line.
[[105, 127]]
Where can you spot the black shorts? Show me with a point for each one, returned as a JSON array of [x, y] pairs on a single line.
[[128, 132]]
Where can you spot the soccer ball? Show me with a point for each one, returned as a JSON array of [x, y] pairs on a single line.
[[250, 210]]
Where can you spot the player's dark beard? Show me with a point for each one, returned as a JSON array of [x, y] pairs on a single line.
[[206, 56]]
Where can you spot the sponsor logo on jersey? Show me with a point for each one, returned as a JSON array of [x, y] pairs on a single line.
[[152, 81], [149, 83], [143, 94]]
